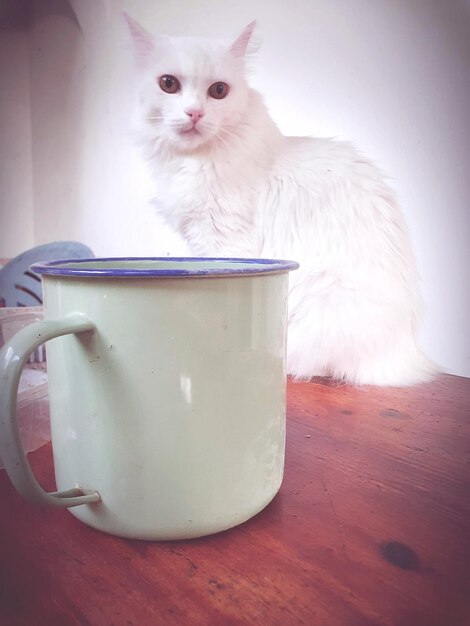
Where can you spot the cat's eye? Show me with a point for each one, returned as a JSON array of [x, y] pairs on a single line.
[[218, 90], [169, 84]]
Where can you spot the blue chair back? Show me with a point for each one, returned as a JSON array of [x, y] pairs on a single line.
[[19, 286]]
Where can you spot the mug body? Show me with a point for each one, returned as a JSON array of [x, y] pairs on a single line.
[[173, 408]]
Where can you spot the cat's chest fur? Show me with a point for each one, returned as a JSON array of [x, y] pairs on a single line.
[[263, 198], [212, 203]]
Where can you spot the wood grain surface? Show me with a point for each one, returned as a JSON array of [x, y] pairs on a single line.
[[371, 526]]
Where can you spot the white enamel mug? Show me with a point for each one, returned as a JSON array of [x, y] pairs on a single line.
[[166, 390]]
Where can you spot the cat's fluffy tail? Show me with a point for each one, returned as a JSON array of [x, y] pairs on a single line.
[[398, 367], [389, 367], [354, 341]]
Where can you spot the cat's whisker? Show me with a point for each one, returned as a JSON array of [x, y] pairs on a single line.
[[220, 138], [168, 120], [155, 147], [225, 135], [222, 134]]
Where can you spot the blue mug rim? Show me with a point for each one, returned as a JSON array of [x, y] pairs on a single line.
[[248, 266]]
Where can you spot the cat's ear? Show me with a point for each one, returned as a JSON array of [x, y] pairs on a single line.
[[143, 40], [240, 45]]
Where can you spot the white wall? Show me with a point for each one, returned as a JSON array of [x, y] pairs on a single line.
[[89, 181], [16, 190], [392, 76], [58, 120]]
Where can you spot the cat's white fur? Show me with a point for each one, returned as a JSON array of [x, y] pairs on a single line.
[[236, 186]]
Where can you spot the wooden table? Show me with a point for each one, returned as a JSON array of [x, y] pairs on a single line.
[[371, 526]]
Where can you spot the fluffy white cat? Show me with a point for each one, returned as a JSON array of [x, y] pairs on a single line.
[[232, 185]]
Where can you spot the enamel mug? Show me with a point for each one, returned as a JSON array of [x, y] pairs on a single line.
[[166, 390]]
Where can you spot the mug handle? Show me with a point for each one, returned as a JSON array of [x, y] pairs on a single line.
[[13, 357]]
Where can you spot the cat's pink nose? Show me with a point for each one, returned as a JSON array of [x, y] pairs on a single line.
[[194, 114]]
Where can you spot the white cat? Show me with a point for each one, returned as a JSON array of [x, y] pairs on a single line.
[[232, 185]]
